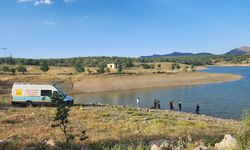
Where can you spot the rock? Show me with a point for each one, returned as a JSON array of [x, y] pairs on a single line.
[[85, 148], [28, 148], [164, 144], [168, 144], [228, 143], [200, 148], [155, 142], [2, 144], [50, 143], [155, 147]]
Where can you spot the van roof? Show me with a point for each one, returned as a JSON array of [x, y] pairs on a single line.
[[26, 83]]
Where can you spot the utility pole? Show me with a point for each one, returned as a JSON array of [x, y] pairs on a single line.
[[5, 49]]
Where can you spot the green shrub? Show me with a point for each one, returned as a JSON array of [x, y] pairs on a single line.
[[79, 68], [101, 68], [129, 63], [13, 71], [22, 69], [244, 131], [44, 66], [6, 69], [146, 66]]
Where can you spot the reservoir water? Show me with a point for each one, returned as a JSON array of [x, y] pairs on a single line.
[[224, 100]]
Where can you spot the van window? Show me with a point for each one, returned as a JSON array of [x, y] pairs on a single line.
[[46, 92], [58, 93]]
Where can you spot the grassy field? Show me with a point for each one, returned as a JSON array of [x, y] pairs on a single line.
[[107, 126]]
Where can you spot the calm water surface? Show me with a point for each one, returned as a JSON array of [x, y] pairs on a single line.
[[225, 100]]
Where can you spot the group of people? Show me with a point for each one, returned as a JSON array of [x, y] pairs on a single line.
[[157, 105]]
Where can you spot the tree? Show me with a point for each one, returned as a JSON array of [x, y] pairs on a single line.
[[129, 63], [61, 119], [22, 69], [13, 71], [101, 68], [61, 116], [119, 68], [146, 66], [159, 65], [44, 66], [185, 68], [178, 66], [6, 69], [192, 68], [79, 68], [10, 60], [108, 70], [173, 66]]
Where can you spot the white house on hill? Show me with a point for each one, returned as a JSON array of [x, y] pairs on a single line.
[[113, 66]]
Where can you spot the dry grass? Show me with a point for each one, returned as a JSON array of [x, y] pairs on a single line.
[[111, 123]]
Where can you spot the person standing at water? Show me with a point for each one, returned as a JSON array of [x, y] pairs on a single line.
[[171, 105], [179, 106], [138, 102], [197, 109], [158, 104], [155, 103]]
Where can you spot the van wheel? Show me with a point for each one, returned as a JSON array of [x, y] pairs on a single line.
[[29, 104]]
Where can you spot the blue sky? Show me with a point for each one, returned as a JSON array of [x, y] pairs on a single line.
[[69, 28]]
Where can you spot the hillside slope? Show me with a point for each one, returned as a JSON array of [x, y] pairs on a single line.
[[239, 51]]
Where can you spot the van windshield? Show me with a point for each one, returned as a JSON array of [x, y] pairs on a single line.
[[60, 90]]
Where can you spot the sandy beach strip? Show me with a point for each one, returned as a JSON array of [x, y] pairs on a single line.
[[127, 82]]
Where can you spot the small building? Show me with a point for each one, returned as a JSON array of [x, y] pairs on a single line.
[[114, 66]]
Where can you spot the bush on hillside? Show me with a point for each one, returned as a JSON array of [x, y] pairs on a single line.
[[22, 69], [44, 66], [79, 68]]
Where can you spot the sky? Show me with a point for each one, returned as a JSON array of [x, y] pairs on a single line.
[[130, 28]]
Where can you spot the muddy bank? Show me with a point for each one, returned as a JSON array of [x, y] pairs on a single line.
[[127, 82]]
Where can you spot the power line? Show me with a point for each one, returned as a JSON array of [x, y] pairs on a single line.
[[5, 49]]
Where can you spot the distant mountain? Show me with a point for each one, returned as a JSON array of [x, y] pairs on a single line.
[[176, 54], [239, 51], [179, 54], [203, 54]]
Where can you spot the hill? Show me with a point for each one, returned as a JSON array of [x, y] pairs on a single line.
[[176, 54], [239, 51]]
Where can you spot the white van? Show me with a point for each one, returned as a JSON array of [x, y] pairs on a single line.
[[34, 94]]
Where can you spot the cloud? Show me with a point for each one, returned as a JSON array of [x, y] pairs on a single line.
[[24, 1], [49, 23], [36, 2], [45, 2], [68, 1]]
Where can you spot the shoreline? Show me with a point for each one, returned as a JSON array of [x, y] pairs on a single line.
[[132, 82], [221, 65], [232, 65]]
